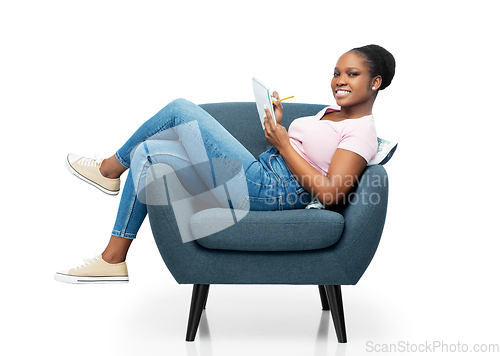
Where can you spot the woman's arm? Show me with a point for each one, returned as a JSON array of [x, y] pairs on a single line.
[[343, 172]]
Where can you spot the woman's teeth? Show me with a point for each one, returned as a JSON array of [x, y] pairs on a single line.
[[341, 93]]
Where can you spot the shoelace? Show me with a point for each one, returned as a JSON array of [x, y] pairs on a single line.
[[88, 262], [90, 162]]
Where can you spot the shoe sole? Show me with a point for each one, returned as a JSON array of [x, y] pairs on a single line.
[[78, 175], [66, 278]]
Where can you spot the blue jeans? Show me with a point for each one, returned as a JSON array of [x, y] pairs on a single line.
[[209, 162]]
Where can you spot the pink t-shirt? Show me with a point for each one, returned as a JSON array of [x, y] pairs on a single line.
[[317, 140]]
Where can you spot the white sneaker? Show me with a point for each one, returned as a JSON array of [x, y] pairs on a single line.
[[95, 271], [89, 170]]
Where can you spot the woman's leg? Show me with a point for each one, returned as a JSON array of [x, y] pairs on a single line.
[[117, 249], [196, 146], [211, 161], [132, 209], [112, 168], [202, 136]]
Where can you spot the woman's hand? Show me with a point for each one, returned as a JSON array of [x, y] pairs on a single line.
[[276, 134], [278, 108]]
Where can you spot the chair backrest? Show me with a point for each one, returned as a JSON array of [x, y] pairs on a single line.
[[242, 121]]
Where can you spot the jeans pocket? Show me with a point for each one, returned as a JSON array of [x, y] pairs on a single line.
[[275, 168]]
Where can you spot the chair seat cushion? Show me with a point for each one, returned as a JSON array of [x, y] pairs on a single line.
[[288, 230]]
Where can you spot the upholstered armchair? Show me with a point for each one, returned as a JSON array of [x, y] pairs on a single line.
[[318, 247]]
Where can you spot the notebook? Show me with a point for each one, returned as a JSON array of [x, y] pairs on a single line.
[[262, 99]]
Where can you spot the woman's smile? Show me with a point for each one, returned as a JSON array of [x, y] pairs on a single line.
[[341, 93]]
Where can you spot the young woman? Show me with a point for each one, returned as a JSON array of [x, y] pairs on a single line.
[[320, 156]]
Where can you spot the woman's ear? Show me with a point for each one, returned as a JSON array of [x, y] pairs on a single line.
[[376, 82]]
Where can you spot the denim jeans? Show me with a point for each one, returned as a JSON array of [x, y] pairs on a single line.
[[205, 158]]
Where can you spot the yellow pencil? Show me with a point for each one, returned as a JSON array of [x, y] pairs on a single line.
[[289, 97]]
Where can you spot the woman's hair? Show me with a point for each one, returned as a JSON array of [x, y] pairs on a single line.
[[379, 61]]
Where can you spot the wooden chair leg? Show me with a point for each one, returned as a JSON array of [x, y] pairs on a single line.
[[198, 300], [324, 298], [337, 309]]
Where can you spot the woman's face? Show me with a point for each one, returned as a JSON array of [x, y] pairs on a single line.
[[352, 84]]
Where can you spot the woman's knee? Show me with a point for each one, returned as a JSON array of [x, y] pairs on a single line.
[[140, 155], [179, 106]]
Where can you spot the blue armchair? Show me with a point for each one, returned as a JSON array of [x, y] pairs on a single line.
[[307, 246]]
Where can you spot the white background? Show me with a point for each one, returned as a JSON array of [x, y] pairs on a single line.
[[81, 76]]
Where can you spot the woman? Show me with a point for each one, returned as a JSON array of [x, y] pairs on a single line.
[[319, 156]]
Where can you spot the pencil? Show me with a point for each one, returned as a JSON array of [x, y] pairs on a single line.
[[289, 97]]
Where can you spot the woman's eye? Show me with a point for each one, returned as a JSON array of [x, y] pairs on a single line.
[[335, 75], [353, 74]]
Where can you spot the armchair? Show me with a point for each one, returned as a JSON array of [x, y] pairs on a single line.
[[311, 247]]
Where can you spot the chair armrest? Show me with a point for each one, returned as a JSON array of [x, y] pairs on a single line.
[[364, 216]]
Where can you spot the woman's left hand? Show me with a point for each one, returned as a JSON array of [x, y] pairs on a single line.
[[276, 134]]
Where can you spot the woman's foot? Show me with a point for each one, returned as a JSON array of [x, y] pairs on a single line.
[[95, 271], [89, 170]]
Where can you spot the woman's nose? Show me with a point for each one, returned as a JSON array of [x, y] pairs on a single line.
[[341, 80]]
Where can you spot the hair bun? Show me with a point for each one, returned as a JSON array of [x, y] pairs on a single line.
[[380, 61]]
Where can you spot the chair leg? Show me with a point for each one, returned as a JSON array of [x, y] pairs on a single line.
[[198, 300], [337, 309], [206, 298], [324, 298]]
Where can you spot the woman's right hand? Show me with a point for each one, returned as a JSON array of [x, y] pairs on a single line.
[[278, 109]]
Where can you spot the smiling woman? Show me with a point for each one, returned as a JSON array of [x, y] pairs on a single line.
[[320, 156], [328, 150]]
